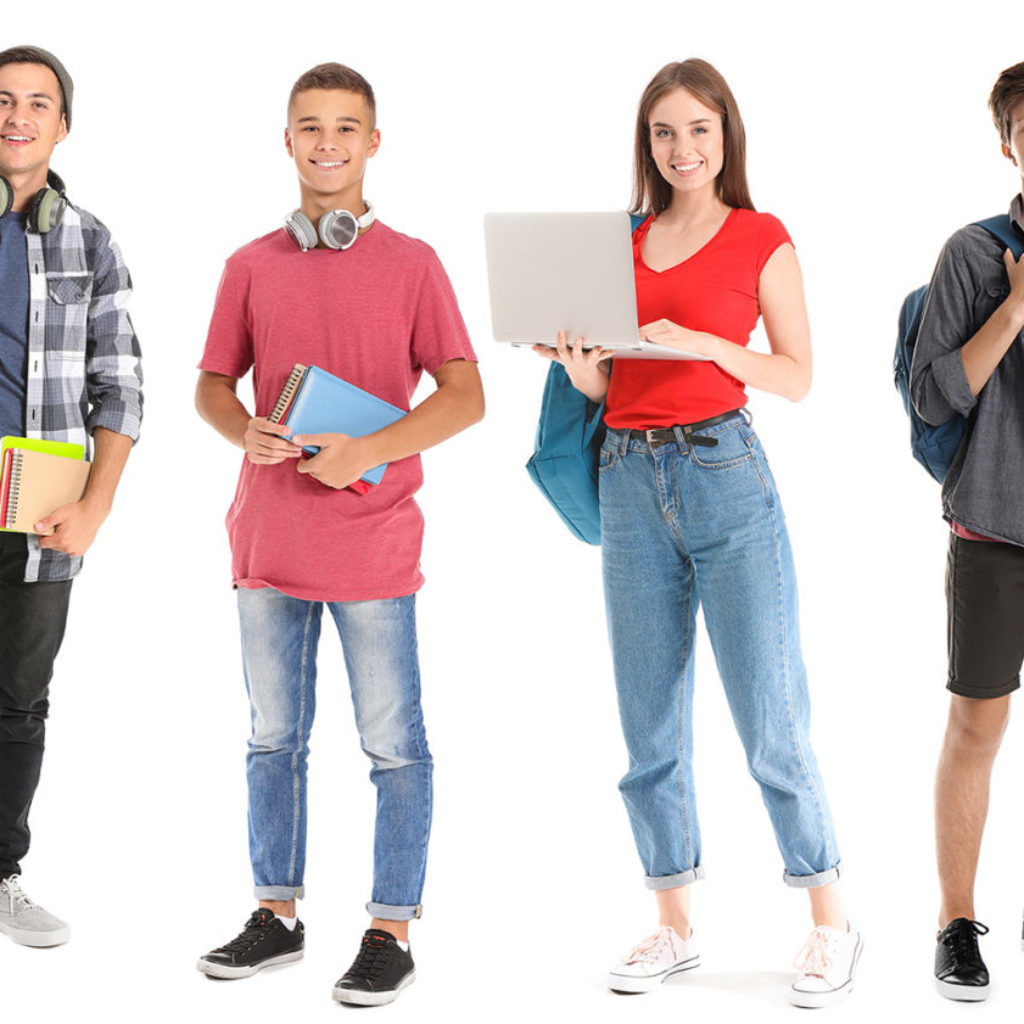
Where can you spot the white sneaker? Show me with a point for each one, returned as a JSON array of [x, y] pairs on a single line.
[[26, 922], [652, 961], [826, 965]]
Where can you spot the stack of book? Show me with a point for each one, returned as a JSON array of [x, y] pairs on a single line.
[[36, 478]]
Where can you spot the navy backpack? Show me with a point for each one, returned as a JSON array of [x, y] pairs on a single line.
[[936, 447], [565, 455]]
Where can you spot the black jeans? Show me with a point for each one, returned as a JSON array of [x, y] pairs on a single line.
[[32, 618]]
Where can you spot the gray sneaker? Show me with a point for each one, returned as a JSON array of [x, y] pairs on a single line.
[[26, 922]]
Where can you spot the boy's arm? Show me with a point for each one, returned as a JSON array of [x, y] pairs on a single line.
[[954, 357], [457, 403], [982, 354], [218, 404], [75, 526], [114, 387]]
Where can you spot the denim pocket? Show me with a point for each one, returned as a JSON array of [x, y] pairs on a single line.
[[609, 456], [732, 450]]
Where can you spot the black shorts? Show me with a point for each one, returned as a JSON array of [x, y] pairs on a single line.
[[984, 616]]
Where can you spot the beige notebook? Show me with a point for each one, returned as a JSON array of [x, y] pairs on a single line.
[[38, 484]]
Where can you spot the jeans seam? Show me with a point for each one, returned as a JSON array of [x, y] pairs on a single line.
[[296, 756], [687, 654], [808, 777]]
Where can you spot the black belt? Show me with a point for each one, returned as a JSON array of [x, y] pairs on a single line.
[[658, 436]]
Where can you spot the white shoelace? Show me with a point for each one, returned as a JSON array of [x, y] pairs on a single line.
[[11, 889], [816, 956]]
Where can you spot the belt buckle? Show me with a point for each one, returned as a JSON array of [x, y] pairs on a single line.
[[653, 441]]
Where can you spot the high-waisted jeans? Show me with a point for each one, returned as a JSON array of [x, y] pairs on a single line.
[[684, 525]]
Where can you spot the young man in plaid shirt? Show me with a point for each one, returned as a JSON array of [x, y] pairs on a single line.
[[69, 371]]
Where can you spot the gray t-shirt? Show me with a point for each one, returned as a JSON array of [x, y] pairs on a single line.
[[13, 324], [984, 490]]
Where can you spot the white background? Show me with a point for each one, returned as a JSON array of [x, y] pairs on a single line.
[[869, 136]]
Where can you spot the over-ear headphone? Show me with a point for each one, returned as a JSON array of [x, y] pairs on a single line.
[[337, 229], [47, 208]]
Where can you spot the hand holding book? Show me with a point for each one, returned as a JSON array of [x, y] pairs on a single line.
[[335, 416], [266, 443], [341, 461]]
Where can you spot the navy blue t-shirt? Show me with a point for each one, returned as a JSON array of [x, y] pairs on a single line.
[[13, 324]]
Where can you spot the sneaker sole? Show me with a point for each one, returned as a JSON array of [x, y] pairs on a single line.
[[226, 971], [39, 940], [355, 997], [627, 985], [962, 993], [816, 1000]]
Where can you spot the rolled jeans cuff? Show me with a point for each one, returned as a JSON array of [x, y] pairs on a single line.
[[826, 877], [280, 893], [386, 912], [676, 880]]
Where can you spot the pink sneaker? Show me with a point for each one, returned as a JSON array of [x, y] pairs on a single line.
[[658, 957], [826, 965]]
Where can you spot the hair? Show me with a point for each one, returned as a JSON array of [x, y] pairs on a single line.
[[1006, 94], [651, 192], [33, 55], [335, 76]]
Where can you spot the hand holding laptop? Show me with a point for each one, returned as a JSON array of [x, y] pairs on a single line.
[[587, 368]]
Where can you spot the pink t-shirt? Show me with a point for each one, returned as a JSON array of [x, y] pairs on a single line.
[[376, 315]]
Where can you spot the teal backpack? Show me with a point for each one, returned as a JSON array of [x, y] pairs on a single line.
[[565, 455]]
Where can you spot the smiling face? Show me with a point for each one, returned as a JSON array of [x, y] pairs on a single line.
[[687, 141], [31, 124], [330, 136]]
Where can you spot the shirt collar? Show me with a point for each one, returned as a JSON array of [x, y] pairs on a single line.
[[1017, 212]]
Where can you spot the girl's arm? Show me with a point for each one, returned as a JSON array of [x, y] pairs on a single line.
[[787, 370], [587, 369]]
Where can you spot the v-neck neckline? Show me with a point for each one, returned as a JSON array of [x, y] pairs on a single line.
[[692, 256]]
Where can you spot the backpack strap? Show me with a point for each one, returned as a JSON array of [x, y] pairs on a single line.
[[636, 219], [1001, 228]]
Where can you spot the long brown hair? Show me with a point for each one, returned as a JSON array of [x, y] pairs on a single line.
[[651, 192]]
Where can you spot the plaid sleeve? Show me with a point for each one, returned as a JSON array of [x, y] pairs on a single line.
[[112, 367]]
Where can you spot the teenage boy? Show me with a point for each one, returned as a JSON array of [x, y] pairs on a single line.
[[69, 370], [375, 314], [970, 362]]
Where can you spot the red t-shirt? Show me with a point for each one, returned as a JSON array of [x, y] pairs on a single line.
[[376, 315], [715, 291]]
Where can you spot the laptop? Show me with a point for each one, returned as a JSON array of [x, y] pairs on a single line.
[[571, 272]]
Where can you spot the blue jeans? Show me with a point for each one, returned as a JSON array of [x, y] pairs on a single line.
[[279, 642], [683, 525]]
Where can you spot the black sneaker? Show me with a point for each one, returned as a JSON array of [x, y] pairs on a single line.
[[263, 942], [960, 973], [379, 972]]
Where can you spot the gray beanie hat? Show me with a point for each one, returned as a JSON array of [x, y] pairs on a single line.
[[37, 55]]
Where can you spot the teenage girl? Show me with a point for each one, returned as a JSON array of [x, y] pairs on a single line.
[[690, 515]]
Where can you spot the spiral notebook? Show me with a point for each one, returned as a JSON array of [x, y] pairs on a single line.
[[36, 478], [314, 401]]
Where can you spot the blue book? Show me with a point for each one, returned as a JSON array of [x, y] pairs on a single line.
[[314, 401]]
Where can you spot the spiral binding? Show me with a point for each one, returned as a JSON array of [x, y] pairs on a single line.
[[13, 490], [291, 386]]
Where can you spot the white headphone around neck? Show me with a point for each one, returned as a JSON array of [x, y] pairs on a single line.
[[337, 229]]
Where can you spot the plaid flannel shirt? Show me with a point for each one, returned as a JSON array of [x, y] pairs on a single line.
[[83, 356]]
